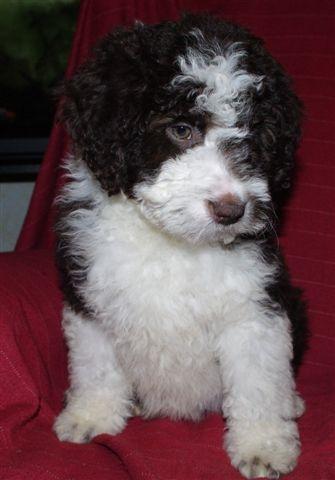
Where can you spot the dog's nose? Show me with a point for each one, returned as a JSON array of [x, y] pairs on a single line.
[[227, 210]]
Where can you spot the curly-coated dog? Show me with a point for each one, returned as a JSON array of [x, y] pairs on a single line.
[[177, 300]]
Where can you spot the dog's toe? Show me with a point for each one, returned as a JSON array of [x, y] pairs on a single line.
[[256, 468]]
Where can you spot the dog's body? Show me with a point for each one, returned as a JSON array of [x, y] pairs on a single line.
[[176, 296]]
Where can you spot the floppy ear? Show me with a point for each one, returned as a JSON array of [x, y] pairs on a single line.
[[277, 118], [100, 108]]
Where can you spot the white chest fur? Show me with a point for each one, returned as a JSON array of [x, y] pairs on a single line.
[[163, 303]]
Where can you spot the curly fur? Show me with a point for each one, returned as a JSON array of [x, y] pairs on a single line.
[[167, 307]]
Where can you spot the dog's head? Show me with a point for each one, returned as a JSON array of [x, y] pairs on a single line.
[[193, 120]]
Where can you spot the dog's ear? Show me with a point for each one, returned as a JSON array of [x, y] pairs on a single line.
[[277, 119], [100, 106]]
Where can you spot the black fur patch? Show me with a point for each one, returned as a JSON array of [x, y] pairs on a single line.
[[71, 265], [283, 297]]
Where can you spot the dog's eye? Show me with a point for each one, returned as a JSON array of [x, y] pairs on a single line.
[[184, 134], [181, 131]]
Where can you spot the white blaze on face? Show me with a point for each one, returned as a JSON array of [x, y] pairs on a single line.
[[225, 84], [177, 199]]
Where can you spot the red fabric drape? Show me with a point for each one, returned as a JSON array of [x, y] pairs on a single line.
[[300, 34]]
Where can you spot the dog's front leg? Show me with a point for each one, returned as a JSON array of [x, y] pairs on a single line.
[[98, 400], [260, 402]]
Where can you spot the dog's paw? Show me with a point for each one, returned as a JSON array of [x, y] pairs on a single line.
[[80, 425], [264, 449], [256, 468]]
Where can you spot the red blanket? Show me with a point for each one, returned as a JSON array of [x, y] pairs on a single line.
[[33, 355]]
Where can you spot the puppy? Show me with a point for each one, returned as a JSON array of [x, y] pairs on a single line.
[[177, 300]]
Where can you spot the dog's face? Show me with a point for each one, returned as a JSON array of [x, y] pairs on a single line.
[[193, 120]]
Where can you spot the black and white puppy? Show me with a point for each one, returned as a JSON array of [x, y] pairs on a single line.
[[177, 300]]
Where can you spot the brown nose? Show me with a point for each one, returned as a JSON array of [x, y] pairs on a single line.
[[227, 210]]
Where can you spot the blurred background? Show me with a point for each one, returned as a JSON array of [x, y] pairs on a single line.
[[35, 40]]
